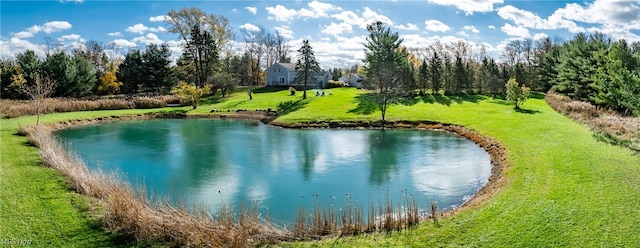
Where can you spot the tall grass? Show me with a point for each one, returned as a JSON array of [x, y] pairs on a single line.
[[608, 125], [17, 108], [352, 219]]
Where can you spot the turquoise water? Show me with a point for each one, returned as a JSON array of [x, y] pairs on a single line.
[[214, 162]]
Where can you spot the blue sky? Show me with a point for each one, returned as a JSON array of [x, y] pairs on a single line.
[[336, 29]]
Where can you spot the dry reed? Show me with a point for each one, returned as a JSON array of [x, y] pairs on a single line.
[[17, 108], [607, 124]]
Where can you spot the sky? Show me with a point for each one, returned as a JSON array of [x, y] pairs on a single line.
[[336, 30]]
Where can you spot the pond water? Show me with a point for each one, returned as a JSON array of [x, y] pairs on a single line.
[[212, 163]]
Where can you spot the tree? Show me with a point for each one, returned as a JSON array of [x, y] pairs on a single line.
[[85, 78], [306, 66], [423, 77], [224, 81], [109, 83], [190, 93], [156, 67], [517, 94], [384, 65], [30, 65], [203, 35], [435, 70], [42, 88], [130, 72], [62, 68]]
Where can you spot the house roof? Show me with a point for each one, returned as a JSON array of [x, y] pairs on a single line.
[[288, 66]]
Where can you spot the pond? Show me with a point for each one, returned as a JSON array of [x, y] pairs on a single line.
[[211, 163]]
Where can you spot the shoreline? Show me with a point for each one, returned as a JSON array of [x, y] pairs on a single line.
[[496, 151]]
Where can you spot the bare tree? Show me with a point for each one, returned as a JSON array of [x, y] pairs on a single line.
[[42, 88], [283, 47], [51, 46]]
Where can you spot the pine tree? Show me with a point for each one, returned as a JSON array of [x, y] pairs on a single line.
[[306, 66]]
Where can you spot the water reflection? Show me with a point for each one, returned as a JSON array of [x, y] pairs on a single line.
[[216, 163]]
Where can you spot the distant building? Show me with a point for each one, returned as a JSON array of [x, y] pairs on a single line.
[[281, 74], [284, 74], [352, 80]]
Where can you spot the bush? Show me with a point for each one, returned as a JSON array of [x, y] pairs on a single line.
[[517, 94]]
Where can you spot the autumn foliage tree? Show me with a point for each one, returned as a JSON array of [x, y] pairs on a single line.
[[189, 93], [109, 84]]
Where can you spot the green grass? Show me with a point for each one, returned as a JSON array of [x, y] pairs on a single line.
[[563, 187]]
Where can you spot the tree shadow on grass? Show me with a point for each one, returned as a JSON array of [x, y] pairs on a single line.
[[366, 104], [287, 107], [268, 89], [527, 111], [447, 100]]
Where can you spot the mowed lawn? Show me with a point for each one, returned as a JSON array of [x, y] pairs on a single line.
[[562, 186]]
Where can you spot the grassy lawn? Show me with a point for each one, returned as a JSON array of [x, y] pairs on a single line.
[[563, 188]]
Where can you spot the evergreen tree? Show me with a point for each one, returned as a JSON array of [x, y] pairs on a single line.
[[423, 77], [306, 66], [435, 70], [130, 72], [386, 66], [156, 68], [62, 69]]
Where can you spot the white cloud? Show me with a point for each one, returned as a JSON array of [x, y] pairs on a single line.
[[409, 26], [115, 34], [249, 27], [147, 39], [316, 10], [253, 10], [141, 28], [49, 27], [23, 34], [371, 16], [615, 17], [159, 18], [9, 48], [515, 31], [281, 13], [285, 31], [491, 27], [436, 26], [469, 6], [528, 19], [70, 37], [337, 29], [368, 16], [471, 28], [540, 36], [122, 43]]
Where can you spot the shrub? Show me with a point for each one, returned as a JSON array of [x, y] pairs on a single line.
[[517, 94]]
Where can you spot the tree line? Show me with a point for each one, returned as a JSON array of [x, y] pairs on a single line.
[[588, 67]]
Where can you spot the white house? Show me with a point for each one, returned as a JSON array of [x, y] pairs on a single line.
[[280, 74], [351, 79]]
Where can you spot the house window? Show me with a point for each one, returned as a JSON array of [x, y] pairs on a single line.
[[281, 80], [278, 69]]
